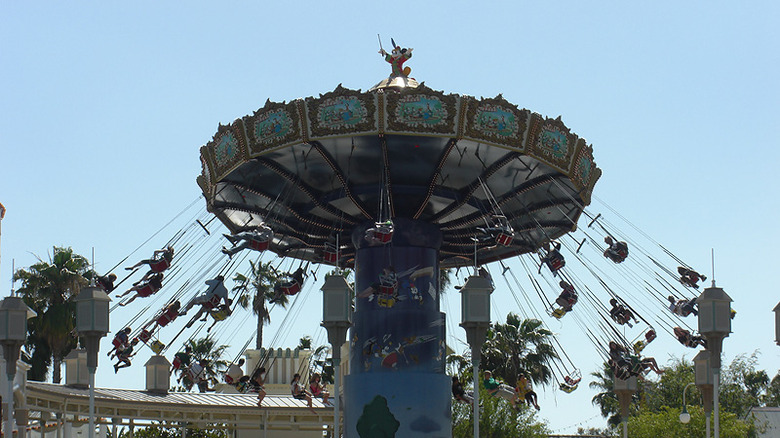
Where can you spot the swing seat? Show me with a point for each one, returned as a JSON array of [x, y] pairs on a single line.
[[146, 291], [650, 335], [117, 343], [330, 256], [555, 263], [220, 315], [291, 288], [176, 363], [639, 346], [259, 244], [144, 336], [568, 389], [158, 266], [157, 346], [383, 234], [558, 313], [574, 378], [505, 238]]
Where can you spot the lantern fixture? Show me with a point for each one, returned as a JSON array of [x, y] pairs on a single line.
[[158, 374]]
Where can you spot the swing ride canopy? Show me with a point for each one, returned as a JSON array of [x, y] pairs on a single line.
[[316, 168]]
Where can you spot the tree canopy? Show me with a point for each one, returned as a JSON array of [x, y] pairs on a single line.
[[50, 288], [519, 345], [657, 404]]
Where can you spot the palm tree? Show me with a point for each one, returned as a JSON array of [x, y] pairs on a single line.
[[519, 345], [606, 400], [445, 279], [258, 289], [206, 349], [50, 289], [305, 343]]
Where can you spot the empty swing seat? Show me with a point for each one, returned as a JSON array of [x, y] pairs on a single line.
[[505, 238]]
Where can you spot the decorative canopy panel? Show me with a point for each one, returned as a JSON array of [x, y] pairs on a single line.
[[314, 169]]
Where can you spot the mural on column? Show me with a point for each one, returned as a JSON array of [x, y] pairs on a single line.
[[397, 340]]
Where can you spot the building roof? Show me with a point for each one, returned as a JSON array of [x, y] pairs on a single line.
[[198, 408]]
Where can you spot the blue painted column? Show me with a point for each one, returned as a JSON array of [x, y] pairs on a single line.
[[397, 383]]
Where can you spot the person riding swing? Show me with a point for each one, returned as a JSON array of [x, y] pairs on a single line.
[[553, 258], [160, 261], [617, 250]]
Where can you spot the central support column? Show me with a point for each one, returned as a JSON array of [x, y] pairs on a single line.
[[397, 384]]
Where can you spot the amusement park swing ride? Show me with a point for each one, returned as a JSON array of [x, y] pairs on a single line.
[[396, 184]]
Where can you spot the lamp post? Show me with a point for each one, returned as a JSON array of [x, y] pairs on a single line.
[[624, 389], [704, 382], [475, 317], [715, 324], [336, 318], [92, 325], [13, 332], [2, 214], [777, 323], [685, 417]]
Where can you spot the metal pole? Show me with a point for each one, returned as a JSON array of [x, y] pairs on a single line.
[[707, 424], [684, 390], [91, 402], [2, 213], [716, 391], [475, 361], [625, 428], [9, 422], [336, 395]]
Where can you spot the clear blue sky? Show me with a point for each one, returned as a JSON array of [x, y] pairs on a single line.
[[103, 108]]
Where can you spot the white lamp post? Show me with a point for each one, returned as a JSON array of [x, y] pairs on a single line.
[[624, 389], [475, 317], [13, 332], [685, 417], [92, 325], [777, 323], [336, 318], [704, 381], [715, 324]]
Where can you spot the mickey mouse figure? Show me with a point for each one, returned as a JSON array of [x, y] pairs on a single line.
[[397, 58]]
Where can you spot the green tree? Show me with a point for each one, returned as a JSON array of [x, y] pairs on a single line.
[[772, 396], [743, 386], [49, 288], [321, 361], [156, 431], [595, 431], [667, 391], [305, 343], [666, 422], [257, 290], [497, 419], [519, 345]]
